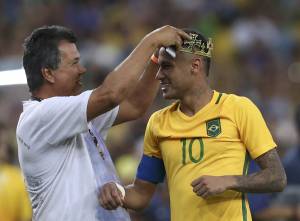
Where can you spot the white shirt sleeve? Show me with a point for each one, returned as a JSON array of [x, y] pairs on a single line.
[[105, 121], [64, 117]]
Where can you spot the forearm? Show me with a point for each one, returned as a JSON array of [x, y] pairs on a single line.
[[118, 84], [138, 196], [260, 182], [143, 94], [126, 76], [271, 178]]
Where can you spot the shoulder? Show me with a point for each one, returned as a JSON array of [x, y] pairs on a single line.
[[238, 108], [164, 112], [32, 113], [236, 100], [160, 117], [59, 106], [63, 100], [236, 103]]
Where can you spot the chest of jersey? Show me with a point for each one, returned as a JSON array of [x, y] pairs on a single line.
[[209, 147], [197, 152]]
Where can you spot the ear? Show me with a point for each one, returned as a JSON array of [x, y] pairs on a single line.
[[48, 75], [197, 65]]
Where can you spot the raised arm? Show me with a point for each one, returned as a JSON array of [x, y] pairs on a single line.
[[119, 82], [140, 98]]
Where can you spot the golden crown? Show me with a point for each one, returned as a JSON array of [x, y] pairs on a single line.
[[196, 46]]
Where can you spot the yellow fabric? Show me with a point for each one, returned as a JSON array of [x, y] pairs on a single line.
[[14, 200], [189, 152]]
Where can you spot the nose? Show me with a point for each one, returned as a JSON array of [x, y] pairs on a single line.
[[159, 75], [81, 69]]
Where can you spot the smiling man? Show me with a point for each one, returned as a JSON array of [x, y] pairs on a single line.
[[202, 143], [61, 131]]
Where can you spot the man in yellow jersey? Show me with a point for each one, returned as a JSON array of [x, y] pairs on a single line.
[[14, 200], [202, 143]]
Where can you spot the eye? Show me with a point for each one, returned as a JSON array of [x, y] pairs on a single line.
[[166, 66], [75, 61]]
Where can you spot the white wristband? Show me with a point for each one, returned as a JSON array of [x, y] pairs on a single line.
[[121, 188], [171, 52]]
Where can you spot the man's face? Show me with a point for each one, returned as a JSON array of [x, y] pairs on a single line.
[[68, 74], [174, 75]]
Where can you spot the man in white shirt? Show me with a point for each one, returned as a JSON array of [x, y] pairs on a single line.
[[61, 131]]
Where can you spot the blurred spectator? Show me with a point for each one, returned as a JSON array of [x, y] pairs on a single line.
[[291, 160], [284, 207], [14, 200]]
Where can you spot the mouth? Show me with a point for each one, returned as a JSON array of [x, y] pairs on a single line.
[[164, 86], [79, 82]]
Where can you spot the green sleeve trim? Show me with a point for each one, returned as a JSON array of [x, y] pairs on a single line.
[[244, 208], [245, 172], [246, 163]]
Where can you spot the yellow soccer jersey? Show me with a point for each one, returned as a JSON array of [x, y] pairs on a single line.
[[215, 141], [14, 200]]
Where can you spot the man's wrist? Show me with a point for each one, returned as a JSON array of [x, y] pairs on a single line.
[[151, 40], [230, 182], [121, 189]]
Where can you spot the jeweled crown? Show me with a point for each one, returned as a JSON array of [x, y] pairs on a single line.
[[197, 46]]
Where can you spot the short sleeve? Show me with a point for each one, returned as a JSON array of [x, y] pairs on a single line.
[[151, 167], [63, 117], [253, 129], [151, 147], [105, 121]]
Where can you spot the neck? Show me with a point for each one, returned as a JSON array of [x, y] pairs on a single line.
[[193, 102], [43, 92]]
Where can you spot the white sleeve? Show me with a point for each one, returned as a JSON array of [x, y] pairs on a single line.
[[64, 117], [105, 121]]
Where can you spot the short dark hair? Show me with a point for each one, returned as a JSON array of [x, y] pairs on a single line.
[[201, 37], [41, 51]]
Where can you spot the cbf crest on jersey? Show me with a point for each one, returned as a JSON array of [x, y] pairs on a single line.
[[213, 127]]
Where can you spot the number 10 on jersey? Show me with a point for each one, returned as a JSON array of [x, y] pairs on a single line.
[[188, 145]]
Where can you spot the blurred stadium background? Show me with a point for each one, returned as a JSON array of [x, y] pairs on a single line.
[[256, 54]]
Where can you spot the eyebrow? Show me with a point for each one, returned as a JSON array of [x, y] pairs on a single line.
[[75, 60]]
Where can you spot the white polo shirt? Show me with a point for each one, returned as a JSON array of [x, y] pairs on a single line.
[[57, 158]]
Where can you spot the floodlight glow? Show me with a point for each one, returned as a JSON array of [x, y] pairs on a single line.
[[12, 77]]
